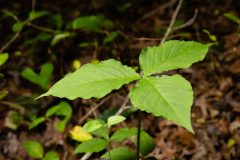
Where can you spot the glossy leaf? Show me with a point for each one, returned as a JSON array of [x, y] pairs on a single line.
[[123, 134], [93, 80], [101, 132], [121, 153], [93, 145], [167, 96], [93, 125], [33, 148], [115, 119], [171, 55]]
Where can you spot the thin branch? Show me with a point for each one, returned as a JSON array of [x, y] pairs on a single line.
[[145, 38], [41, 28], [123, 106], [86, 156], [94, 108], [170, 27], [33, 5], [11, 15], [188, 23], [5, 46], [158, 9]]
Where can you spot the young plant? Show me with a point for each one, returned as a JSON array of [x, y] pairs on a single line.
[[101, 139], [35, 150], [63, 109], [42, 79], [167, 96]]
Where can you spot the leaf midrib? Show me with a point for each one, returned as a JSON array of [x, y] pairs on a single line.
[[155, 88]]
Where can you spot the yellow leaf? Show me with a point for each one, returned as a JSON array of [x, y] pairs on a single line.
[[78, 134]]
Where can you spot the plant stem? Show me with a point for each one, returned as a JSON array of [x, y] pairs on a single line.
[[108, 142], [138, 134]]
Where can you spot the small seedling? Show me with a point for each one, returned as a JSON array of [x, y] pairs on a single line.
[[42, 79], [63, 109], [167, 96], [35, 150]]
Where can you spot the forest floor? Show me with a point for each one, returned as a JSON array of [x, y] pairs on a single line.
[[215, 81]]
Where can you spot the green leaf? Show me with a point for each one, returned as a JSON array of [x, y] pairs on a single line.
[[147, 143], [36, 122], [232, 17], [93, 145], [60, 36], [91, 23], [93, 125], [101, 132], [51, 156], [41, 79], [121, 153], [115, 119], [110, 37], [171, 55], [62, 109], [3, 58], [167, 96], [93, 80], [33, 148], [37, 14], [17, 27], [123, 134]]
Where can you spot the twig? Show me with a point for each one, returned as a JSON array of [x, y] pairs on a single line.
[[11, 15], [123, 106], [145, 38], [170, 27], [16, 35], [41, 28], [86, 156], [94, 108], [188, 23], [33, 5], [160, 8]]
